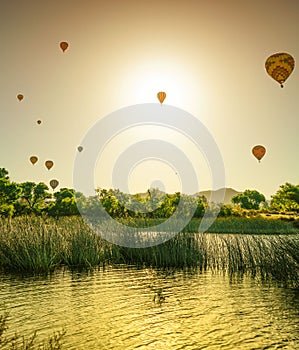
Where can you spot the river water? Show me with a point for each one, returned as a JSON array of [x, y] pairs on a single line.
[[128, 308]]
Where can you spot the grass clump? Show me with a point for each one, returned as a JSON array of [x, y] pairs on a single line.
[[40, 245], [20, 342], [29, 244]]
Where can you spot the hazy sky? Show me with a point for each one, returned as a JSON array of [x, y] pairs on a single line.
[[208, 56]]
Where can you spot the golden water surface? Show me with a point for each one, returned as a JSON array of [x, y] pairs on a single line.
[[126, 308]]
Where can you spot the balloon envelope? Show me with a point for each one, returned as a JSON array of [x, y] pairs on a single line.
[[20, 97], [54, 183], [64, 45], [80, 148], [259, 152], [33, 159], [279, 66], [161, 96], [39, 122], [49, 164]]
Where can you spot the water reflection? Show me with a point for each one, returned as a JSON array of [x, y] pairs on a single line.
[[120, 308]]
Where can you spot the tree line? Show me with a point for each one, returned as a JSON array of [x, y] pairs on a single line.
[[28, 198]]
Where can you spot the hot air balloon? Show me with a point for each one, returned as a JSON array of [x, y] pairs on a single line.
[[80, 148], [49, 164], [39, 122], [279, 66], [33, 159], [64, 45], [20, 97], [54, 183], [259, 152], [161, 96]]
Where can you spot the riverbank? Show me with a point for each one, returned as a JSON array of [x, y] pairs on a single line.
[[234, 225]]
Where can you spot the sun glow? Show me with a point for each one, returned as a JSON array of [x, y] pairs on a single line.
[[150, 77]]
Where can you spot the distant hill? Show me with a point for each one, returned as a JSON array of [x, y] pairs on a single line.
[[229, 193], [218, 197]]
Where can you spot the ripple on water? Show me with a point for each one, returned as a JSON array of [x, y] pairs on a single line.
[[116, 309]]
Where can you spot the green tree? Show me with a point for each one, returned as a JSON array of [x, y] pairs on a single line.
[[65, 203], [33, 197], [4, 173], [286, 198], [89, 206], [6, 210], [249, 199], [226, 210], [202, 204], [168, 206], [9, 194]]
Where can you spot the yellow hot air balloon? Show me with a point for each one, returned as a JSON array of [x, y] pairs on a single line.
[[20, 97], [64, 45], [54, 183], [259, 152], [80, 148], [279, 66], [49, 164], [161, 96], [33, 159]]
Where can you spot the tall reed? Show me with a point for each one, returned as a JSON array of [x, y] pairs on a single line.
[[33, 244], [39, 245]]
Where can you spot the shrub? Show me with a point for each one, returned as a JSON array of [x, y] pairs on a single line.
[[6, 210]]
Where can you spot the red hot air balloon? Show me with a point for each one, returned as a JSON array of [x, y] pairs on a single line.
[[259, 152], [49, 164], [161, 96], [64, 45]]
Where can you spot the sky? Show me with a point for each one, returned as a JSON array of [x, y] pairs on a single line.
[[208, 56]]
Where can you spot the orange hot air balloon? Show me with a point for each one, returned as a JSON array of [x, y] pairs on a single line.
[[49, 164], [161, 96], [80, 148], [54, 183], [259, 152], [39, 122], [64, 45], [20, 97], [33, 159]]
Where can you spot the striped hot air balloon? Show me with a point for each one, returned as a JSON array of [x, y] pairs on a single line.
[[279, 66], [161, 96], [54, 183]]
